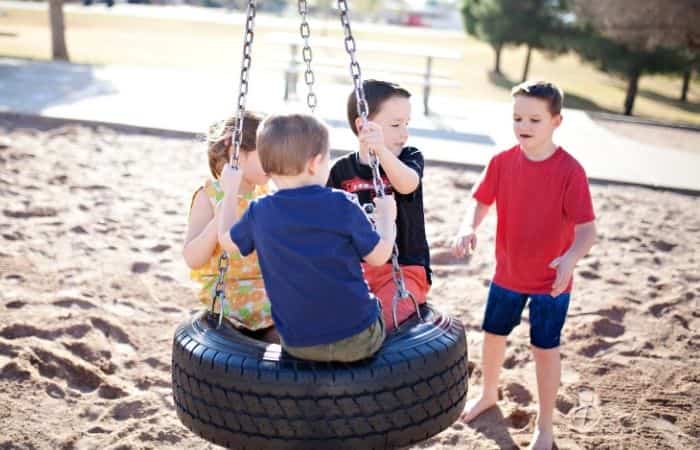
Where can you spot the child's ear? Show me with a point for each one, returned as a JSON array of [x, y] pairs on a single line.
[[313, 164], [358, 124], [556, 120]]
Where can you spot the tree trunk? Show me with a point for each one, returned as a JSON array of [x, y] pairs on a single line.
[[58, 32], [632, 87], [497, 49], [526, 69], [686, 84]]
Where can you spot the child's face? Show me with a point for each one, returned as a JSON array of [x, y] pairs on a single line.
[[533, 124], [249, 163], [393, 116]]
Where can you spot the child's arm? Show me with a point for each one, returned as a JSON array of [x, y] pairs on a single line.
[[200, 240], [584, 238], [403, 179], [465, 241], [230, 182], [385, 219]]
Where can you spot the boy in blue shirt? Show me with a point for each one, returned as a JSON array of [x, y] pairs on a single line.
[[310, 242]]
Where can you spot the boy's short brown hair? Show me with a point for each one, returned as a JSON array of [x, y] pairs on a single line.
[[220, 138], [544, 90], [286, 142], [376, 93]]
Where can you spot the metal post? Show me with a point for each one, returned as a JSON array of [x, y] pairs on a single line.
[[426, 84]]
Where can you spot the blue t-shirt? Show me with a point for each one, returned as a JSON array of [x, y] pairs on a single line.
[[310, 242]]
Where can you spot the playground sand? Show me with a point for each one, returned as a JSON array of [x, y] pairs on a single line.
[[92, 286]]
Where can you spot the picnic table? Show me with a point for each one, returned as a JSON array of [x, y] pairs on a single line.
[[405, 74]]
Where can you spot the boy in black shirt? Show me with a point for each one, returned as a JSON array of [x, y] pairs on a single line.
[[401, 168]]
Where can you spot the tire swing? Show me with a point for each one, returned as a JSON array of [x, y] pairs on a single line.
[[242, 393]]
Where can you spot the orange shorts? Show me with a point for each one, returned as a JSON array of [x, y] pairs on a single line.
[[381, 283]]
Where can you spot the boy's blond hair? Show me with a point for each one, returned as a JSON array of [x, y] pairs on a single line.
[[220, 137], [287, 142]]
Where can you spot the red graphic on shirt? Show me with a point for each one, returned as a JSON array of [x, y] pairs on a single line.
[[357, 184]]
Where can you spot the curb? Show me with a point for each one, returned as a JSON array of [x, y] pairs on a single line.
[[17, 120], [596, 115]]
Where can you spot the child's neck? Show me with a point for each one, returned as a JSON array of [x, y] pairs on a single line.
[[246, 187], [294, 181], [540, 153]]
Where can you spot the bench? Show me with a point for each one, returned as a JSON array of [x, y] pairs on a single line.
[[424, 77]]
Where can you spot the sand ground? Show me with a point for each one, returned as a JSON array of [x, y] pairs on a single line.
[[92, 286]]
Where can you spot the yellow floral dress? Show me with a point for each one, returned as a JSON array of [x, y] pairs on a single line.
[[246, 304]]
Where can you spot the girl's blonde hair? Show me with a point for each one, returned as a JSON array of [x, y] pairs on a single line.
[[220, 138]]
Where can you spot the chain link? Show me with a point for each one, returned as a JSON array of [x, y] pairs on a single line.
[[307, 55], [220, 288], [355, 72], [402, 293], [243, 85]]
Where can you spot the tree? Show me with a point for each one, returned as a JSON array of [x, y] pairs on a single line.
[[490, 21], [692, 64], [634, 37], [58, 32], [537, 24], [546, 25]]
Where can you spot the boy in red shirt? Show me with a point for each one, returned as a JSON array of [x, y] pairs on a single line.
[[545, 225]]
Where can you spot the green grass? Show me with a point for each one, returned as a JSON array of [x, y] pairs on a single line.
[[106, 37]]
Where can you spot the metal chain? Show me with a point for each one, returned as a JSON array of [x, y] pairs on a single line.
[[220, 288], [243, 85], [307, 55], [363, 112], [362, 106]]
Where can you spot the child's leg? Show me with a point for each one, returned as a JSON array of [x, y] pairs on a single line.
[[547, 316], [548, 368], [354, 348], [381, 283], [503, 310], [492, 355]]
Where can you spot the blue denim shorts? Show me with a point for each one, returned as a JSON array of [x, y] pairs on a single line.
[[547, 314]]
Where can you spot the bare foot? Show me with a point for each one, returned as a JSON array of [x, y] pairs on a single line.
[[541, 440], [475, 407]]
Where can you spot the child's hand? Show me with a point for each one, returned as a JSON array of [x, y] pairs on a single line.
[[464, 244], [385, 208], [371, 137], [231, 179], [565, 268]]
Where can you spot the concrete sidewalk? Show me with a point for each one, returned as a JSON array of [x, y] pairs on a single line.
[[462, 132]]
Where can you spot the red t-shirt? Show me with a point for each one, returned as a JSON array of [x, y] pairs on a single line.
[[538, 204]]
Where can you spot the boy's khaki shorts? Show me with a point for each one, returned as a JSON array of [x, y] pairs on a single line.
[[354, 348]]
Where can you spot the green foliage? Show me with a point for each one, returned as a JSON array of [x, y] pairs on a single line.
[[622, 59], [537, 23]]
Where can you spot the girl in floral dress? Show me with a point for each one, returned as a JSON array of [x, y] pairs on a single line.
[[247, 305]]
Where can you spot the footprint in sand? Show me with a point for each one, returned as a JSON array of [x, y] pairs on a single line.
[[588, 275], [518, 394], [78, 376], [520, 419], [68, 302], [594, 348], [663, 246], [586, 416], [36, 211], [140, 267], [15, 304], [607, 328], [132, 410]]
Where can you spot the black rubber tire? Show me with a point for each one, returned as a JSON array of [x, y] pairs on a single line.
[[244, 394]]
